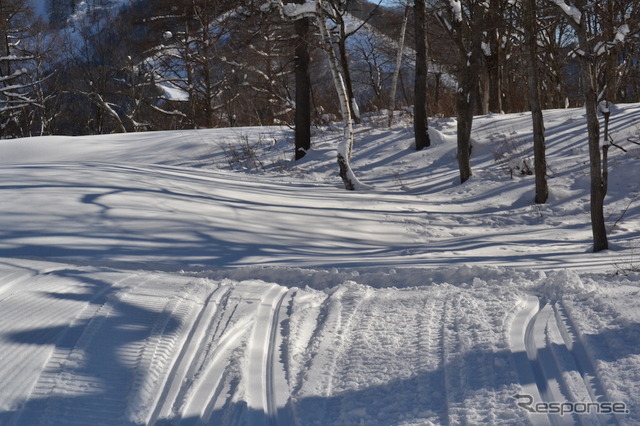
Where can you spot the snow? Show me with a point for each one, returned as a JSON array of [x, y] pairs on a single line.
[[570, 10], [297, 11], [150, 278], [622, 32], [456, 9]]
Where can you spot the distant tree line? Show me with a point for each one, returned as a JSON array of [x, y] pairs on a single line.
[[158, 65], [100, 66], [205, 63]]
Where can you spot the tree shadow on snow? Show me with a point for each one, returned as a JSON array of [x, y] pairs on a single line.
[[92, 375], [467, 388]]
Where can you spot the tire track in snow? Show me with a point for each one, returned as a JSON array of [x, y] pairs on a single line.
[[478, 366], [553, 366], [110, 361], [30, 323], [469, 357], [386, 369]]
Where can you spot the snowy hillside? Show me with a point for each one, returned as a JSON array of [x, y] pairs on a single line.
[[201, 277]]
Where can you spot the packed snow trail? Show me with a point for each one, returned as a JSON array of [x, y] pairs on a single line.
[[292, 301], [101, 346]]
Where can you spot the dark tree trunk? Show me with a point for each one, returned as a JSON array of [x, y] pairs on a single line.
[[420, 125], [598, 188], [467, 95], [494, 68], [588, 74], [302, 119], [539, 156], [495, 61], [465, 105]]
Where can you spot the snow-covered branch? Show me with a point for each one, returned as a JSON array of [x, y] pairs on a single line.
[[569, 10]]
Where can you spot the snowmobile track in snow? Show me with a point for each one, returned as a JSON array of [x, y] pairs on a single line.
[[554, 367]]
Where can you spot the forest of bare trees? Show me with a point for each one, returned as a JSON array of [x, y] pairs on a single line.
[[105, 66], [207, 63]]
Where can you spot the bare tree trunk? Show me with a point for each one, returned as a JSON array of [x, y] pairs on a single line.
[[396, 71], [344, 62], [587, 60], [494, 61], [539, 156], [346, 145], [420, 124], [598, 188], [302, 117], [465, 105], [5, 68], [467, 96], [484, 90]]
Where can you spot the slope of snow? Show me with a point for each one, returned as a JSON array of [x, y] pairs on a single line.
[[201, 277]]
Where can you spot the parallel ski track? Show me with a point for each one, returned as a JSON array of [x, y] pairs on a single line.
[[193, 346], [586, 385], [261, 394], [553, 365], [205, 371], [279, 392]]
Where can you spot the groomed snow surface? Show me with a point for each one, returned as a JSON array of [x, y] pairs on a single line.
[[202, 277]]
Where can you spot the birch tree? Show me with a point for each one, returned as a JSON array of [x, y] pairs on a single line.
[[318, 10], [302, 117], [396, 69]]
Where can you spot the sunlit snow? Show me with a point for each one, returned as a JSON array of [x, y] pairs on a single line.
[[179, 278]]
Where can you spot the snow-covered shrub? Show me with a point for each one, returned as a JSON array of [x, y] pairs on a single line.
[[513, 158], [243, 154], [258, 155]]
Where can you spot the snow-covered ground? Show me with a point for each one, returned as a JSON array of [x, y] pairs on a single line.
[[201, 277]]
